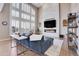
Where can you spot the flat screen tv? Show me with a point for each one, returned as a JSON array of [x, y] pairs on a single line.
[[50, 24]]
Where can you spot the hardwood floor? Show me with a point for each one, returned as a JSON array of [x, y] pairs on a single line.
[[27, 51], [5, 50], [65, 51]]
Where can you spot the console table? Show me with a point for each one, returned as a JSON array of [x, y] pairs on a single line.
[[16, 38]]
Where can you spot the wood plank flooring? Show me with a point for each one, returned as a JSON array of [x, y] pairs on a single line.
[[65, 51], [5, 50]]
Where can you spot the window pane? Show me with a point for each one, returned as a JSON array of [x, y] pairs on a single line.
[[28, 8], [15, 23], [15, 5], [32, 11], [33, 18], [24, 7], [32, 26], [22, 25], [28, 17], [25, 25], [25, 16], [15, 13], [28, 25]]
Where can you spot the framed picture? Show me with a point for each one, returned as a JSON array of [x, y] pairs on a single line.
[[65, 22]]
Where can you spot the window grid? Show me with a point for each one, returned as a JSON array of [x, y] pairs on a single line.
[[15, 5], [25, 15], [15, 13]]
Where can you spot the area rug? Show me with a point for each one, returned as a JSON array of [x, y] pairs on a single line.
[[55, 49]]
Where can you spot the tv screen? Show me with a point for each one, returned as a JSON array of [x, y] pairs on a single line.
[[50, 24]]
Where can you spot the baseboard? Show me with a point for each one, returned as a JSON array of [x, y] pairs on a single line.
[[5, 39]]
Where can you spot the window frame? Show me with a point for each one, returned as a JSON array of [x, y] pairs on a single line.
[[20, 19]]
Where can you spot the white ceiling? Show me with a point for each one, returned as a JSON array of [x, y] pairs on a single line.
[[1, 6], [37, 4]]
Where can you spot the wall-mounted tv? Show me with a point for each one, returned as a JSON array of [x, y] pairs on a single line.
[[50, 24]]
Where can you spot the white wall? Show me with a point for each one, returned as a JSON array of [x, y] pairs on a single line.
[[64, 10], [74, 7], [49, 11], [4, 16], [55, 11]]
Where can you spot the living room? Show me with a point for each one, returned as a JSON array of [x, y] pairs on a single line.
[[24, 26]]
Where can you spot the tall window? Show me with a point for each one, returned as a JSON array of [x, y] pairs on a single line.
[[23, 17]]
